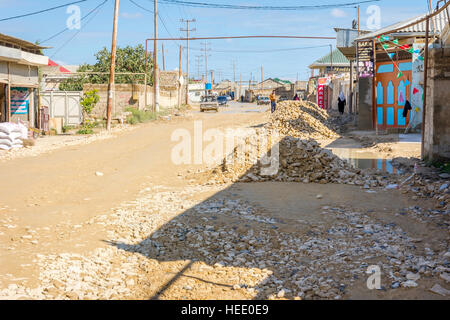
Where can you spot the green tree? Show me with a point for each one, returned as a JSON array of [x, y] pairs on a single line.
[[128, 59]]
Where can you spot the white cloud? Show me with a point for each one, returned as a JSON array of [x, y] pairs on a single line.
[[128, 15], [338, 13]]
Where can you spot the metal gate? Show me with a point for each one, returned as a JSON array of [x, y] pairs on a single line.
[[64, 104]]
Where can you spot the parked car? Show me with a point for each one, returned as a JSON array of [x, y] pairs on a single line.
[[263, 100], [283, 99], [222, 100]]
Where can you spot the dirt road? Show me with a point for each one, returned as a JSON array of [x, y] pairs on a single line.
[[114, 219]]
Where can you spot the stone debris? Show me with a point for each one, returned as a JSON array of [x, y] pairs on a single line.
[[440, 290], [299, 161], [302, 119], [225, 240]]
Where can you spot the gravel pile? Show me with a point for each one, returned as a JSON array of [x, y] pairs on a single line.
[[300, 161], [301, 119], [228, 248]]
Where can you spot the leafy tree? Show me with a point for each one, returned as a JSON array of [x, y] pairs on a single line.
[[128, 59]]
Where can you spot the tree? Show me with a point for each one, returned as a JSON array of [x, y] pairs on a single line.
[[128, 59]]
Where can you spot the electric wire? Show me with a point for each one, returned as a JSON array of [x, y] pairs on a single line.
[[64, 30], [41, 11], [84, 25], [249, 7]]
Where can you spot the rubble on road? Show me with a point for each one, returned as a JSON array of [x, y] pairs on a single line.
[[301, 119], [299, 161]]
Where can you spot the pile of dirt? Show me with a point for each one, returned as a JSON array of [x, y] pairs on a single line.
[[301, 119]]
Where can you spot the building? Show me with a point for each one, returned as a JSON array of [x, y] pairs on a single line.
[[53, 74], [19, 79], [391, 70], [329, 76], [281, 87], [398, 72], [196, 91], [334, 62]]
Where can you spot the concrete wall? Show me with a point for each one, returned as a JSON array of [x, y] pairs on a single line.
[[365, 103], [128, 95], [437, 114], [337, 85]]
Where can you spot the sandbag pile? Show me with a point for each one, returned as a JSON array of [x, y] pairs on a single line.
[[11, 135], [301, 119]]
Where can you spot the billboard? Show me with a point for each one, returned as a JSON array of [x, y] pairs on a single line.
[[20, 100]]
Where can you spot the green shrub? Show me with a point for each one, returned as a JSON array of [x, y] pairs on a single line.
[[141, 116], [66, 128], [87, 127]]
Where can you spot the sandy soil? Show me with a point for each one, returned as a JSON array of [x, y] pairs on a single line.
[[54, 205]]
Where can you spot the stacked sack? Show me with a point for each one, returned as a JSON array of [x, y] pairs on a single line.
[[11, 135]]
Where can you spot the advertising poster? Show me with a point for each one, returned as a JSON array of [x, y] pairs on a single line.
[[20, 100], [322, 92]]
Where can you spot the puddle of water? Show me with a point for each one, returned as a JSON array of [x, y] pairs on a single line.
[[365, 160]]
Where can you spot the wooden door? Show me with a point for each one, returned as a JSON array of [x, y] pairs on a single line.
[[392, 93]]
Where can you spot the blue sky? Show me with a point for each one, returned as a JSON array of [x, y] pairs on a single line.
[[135, 24]]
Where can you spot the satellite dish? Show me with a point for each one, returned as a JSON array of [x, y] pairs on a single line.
[[181, 80]]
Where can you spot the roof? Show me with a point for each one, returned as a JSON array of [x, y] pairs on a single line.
[[281, 81], [61, 69], [437, 22], [338, 60], [17, 43]]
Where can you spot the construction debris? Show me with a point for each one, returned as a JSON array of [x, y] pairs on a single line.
[[301, 119]]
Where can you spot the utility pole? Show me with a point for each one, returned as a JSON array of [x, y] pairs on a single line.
[[240, 85], [180, 73], [198, 65], [112, 67], [262, 77], [155, 62], [187, 55], [164, 61], [250, 82], [212, 79], [234, 80], [206, 64]]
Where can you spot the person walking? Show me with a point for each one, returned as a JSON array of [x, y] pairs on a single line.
[[273, 101], [341, 102]]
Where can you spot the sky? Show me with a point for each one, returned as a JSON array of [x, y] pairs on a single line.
[[78, 46]]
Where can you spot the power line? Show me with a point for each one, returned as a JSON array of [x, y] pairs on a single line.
[[247, 7], [85, 24], [264, 51], [159, 16], [41, 11], [84, 17]]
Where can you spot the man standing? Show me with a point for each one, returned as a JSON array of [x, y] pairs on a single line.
[[273, 101]]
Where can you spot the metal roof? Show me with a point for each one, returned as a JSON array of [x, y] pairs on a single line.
[[20, 44], [437, 24], [338, 60]]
